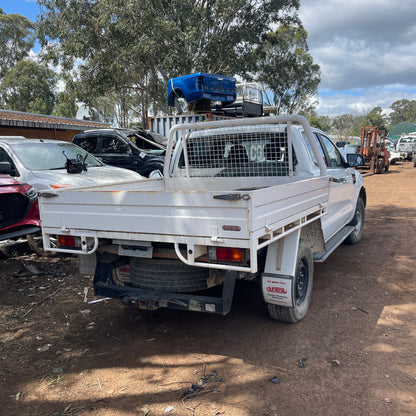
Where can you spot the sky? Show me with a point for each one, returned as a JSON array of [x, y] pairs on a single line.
[[366, 50]]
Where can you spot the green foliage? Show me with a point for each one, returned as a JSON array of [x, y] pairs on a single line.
[[37, 106], [65, 105], [54, 380], [403, 110], [375, 118], [130, 48], [344, 125], [28, 87], [320, 122], [16, 40], [285, 66]]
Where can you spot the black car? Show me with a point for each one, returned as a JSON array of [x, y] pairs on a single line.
[[115, 147], [148, 140]]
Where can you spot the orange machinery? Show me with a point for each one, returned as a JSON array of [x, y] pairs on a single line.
[[373, 148]]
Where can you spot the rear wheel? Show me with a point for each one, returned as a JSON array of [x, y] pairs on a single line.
[[358, 223], [302, 288]]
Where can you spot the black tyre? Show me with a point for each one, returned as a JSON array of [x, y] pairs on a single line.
[[167, 275], [358, 223], [386, 167], [379, 167], [302, 289], [152, 168]]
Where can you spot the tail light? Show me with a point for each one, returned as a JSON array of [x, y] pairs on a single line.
[[68, 241], [227, 254]]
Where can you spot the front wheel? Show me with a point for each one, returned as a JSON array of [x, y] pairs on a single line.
[[154, 171], [379, 166], [302, 288]]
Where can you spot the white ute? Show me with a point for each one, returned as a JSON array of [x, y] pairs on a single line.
[[254, 199]]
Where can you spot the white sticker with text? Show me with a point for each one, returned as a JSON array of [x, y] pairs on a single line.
[[278, 290]]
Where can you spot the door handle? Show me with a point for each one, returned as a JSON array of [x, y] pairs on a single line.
[[338, 180]]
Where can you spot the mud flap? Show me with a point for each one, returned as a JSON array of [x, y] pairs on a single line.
[[279, 271], [278, 290]]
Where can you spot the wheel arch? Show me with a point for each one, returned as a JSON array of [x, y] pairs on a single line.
[[363, 195], [175, 93]]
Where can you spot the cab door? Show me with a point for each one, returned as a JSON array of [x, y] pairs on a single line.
[[341, 196], [113, 151]]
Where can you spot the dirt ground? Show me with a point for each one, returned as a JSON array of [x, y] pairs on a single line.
[[354, 353]]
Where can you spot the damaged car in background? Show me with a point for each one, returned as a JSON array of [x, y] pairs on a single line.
[[124, 149]]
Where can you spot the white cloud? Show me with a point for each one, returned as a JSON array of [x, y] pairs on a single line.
[[367, 44], [360, 102]]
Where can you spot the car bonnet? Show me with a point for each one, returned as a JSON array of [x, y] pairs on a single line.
[[94, 176]]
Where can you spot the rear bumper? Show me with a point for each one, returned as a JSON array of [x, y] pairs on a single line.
[[104, 285]]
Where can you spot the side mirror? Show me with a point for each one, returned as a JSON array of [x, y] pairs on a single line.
[[5, 167], [355, 159]]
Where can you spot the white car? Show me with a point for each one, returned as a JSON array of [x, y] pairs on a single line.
[[394, 155], [406, 146], [348, 149], [42, 164]]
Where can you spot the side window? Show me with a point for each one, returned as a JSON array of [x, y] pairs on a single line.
[[4, 157], [308, 145], [89, 144], [335, 158], [140, 142], [113, 145]]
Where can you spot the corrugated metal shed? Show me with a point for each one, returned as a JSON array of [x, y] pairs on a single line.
[[405, 127]]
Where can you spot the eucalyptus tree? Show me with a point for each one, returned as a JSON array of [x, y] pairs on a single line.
[[344, 125], [17, 37], [135, 46], [284, 65], [29, 87], [376, 118], [403, 110], [65, 105]]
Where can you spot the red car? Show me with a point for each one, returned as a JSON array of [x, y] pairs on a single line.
[[19, 210]]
